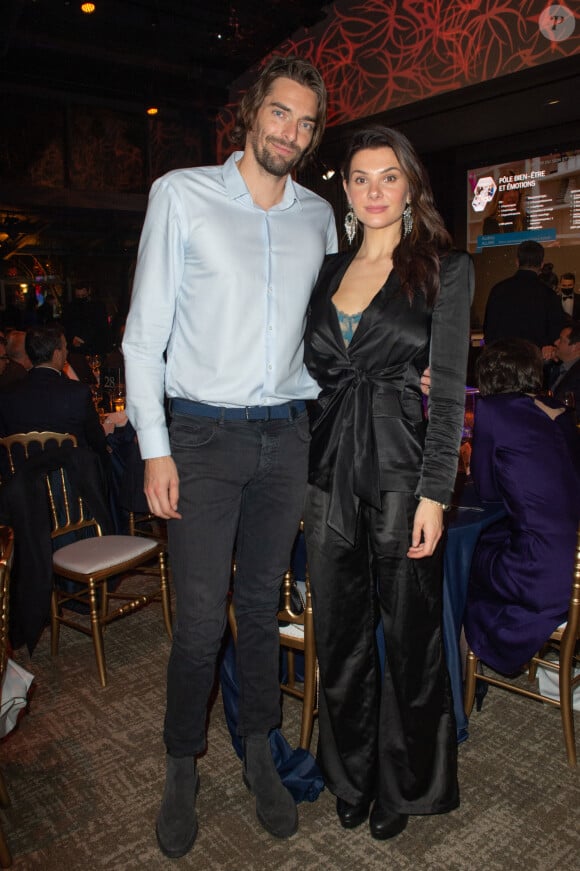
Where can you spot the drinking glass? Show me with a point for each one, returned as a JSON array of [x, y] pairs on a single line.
[[119, 398], [94, 362]]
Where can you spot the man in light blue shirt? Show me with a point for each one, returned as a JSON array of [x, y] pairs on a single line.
[[227, 261]]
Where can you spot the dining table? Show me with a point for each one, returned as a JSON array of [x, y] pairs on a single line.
[[466, 520]]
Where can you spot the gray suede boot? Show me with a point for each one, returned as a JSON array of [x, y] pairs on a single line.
[[275, 807], [177, 820]]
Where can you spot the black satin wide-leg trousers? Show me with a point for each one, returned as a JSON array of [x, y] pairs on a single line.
[[391, 737]]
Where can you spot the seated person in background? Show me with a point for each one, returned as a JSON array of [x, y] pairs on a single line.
[[566, 377], [47, 400], [525, 454], [18, 362]]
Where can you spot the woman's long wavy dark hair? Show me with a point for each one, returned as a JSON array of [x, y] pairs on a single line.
[[417, 256]]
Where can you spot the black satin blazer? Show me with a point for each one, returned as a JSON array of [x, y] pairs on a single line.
[[368, 430]]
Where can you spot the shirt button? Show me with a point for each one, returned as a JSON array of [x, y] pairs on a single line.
[[269, 367], [270, 328]]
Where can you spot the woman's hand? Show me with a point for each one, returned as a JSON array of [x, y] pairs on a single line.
[[427, 529]]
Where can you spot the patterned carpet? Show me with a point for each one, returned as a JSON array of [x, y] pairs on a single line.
[[85, 769]]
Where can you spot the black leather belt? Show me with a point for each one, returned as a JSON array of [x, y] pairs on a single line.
[[286, 411]]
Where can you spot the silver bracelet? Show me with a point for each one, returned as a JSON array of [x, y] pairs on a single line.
[[434, 502]]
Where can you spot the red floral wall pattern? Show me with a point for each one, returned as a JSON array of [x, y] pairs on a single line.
[[377, 55]]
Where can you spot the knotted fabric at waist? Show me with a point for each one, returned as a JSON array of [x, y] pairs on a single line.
[[344, 446]]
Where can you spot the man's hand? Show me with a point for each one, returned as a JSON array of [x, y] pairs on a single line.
[[162, 487], [427, 529], [426, 382]]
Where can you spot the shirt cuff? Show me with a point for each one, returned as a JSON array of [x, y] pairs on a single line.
[[154, 443]]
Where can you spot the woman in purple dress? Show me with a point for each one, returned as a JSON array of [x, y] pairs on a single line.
[[525, 454]]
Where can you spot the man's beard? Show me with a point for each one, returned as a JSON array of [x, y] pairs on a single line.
[[273, 163]]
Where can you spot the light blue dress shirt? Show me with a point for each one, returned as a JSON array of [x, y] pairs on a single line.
[[224, 286]]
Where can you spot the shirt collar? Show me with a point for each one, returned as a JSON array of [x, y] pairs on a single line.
[[237, 189], [43, 367]]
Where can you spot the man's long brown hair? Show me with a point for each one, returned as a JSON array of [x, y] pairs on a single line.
[[296, 69]]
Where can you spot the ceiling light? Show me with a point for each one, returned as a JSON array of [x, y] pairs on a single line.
[[88, 8], [552, 102], [328, 174], [152, 110]]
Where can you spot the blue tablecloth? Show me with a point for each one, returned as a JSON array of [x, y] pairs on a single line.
[[297, 767], [466, 523]]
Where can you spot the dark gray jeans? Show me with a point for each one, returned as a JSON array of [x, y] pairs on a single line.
[[241, 484]]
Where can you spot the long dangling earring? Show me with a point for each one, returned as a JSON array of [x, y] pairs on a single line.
[[350, 225], [407, 220]]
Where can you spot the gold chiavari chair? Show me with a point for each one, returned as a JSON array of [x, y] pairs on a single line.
[[91, 562], [297, 636], [18, 447], [564, 643]]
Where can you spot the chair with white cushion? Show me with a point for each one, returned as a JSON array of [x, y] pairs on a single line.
[[91, 562]]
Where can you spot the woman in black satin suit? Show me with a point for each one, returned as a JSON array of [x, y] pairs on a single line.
[[380, 478]]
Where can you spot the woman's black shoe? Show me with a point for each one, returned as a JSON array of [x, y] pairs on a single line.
[[386, 824], [352, 815]]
